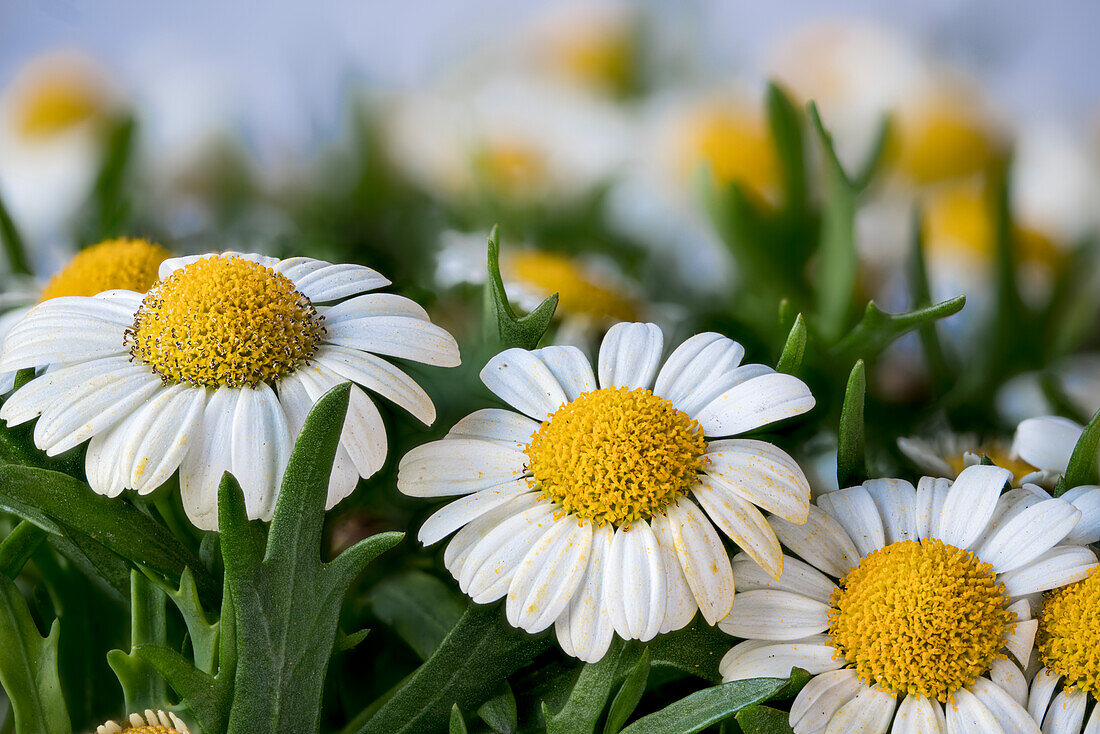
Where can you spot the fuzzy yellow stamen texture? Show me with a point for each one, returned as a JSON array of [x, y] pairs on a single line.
[[225, 321], [123, 263], [924, 617], [1069, 633], [151, 729], [616, 455], [578, 293]]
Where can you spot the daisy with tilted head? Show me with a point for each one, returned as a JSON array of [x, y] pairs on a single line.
[[593, 507], [944, 453], [908, 606], [152, 722], [215, 370]]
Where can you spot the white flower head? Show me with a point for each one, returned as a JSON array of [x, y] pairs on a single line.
[[945, 453], [908, 605], [151, 722], [592, 505], [215, 370]]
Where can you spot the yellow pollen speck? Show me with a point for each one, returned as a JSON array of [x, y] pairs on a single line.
[[578, 293], [924, 618], [123, 263], [224, 321], [616, 455], [738, 147], [1069, 633]]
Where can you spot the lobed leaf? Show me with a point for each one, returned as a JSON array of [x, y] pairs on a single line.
[[510, 329]]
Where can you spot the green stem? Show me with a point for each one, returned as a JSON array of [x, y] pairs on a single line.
[[142, 686], [18, 547]]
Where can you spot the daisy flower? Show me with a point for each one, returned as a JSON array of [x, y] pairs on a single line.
[[215, 370], [908, 605], [592, 505], [151, 722], [128, 264], [1069, 651], [946, 453], [1047, 442]]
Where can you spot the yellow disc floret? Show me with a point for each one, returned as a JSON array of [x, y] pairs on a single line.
[[151, 729], [616, 455], [578, 292], [225, 321], [123, 263], [1069, 634], [924, 618]]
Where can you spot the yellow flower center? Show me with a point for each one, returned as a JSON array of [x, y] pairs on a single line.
[[578, 292], [151, 729], [56, 103], [923, 618], [225, 321], [998, 453], [1069, 633], [943, 143], [738, 147], [510, 168], [602, 58], [123, 263], [616, 455], [961, 219]]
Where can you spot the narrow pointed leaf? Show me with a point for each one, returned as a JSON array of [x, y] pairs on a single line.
[[757, 719], [626, 700], [707, 707], [786, 129], [501, 320], [794, 349], [458, 724], [594, 685], [922, 298], [14, 248], [851, 457], [1082, 468]]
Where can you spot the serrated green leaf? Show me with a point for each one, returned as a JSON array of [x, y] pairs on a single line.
[[59, 504], [468, 667], [14, 248], [457, 724], [626, 700], [704, 708], [502, 322], [203, 633], [1082, 468], [757, 719], [28, 667], [287, 605], [851, 459], [794, 348], [878, 329]]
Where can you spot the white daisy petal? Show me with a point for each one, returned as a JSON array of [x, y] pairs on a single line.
[[931, 493], [680, 605], [769, 614], [1020, 639], [821, 541], [405, 337], [896, 501], [66, 330], [757, 402], [570, 368], [1012, 717], [1066, 712], [329, 282], [585, 626], [494, 559], [1085, 498], [260, 447], [1043, 686], [546, 578], [1059, 566], [1093, 725], [762, 474], [763, 659], [103, 464], [379, 376], [857, 513], [465, 510], [498, 426], [820, 698], [970, 503], [1045, 443], [798, 577], [1009, 677], [629, 355], [869, 712], [697, 371], [1028, 535], [635, 589], [457, 552], [919, 715], [742, 522], [44, 391], [525, 382], [364, 434], [968, 715], [706, 565], [203, 466], [458, 466]]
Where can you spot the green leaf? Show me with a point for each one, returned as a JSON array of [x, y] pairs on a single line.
[[626, 700], [1059, 401], [202, 633], [18, 547], [851, 460], [878, 329], [470, 665], [110, 203], [786, 130], [938, 371], [704, 708], [14, 248], [420, 608], [839, 260], [28, 667], [588, 697], [287, 601], [142, 687], [1082, 468], [66, 506], [696, 650], [794, 348], [757, 719], [458, 724], [875, 156], [500, 711], [511, 330]]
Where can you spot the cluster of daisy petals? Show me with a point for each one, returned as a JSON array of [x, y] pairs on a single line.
[[596, 501]]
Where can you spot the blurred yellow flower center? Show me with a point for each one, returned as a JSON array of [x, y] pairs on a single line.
[[1069, 633], [921, 618], [942, 144], [738, 148], [998, 453], [961, 220], [123, 263], [55, 104], [578, 292], [225, 321], [510, 168], [602, 59], [616, 455]]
